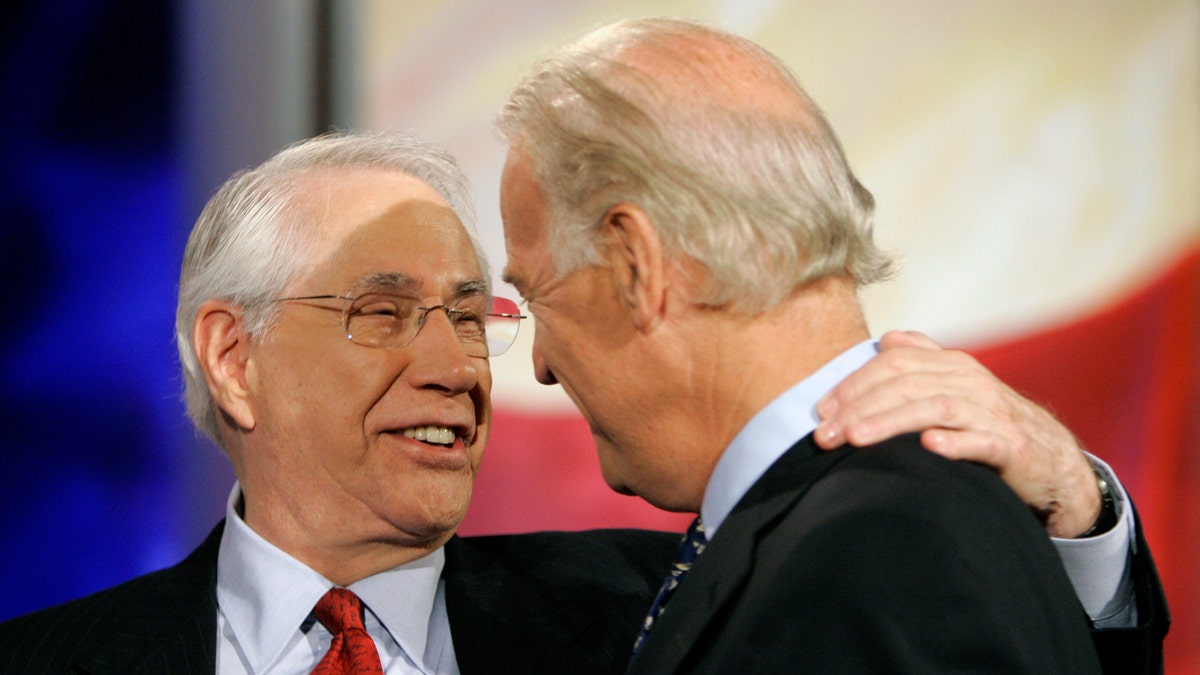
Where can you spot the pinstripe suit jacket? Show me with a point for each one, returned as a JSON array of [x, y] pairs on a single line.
[[537, 603]]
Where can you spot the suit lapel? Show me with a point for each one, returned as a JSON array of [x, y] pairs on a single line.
[[728, 560], [167, 625]]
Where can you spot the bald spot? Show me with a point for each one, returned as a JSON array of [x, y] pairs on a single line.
[[692, 66]]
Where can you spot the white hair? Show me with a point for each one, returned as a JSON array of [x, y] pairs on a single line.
[[649, 112], [248, 242]]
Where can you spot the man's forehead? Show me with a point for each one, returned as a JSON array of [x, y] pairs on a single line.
[[382, 225], [341, 198]]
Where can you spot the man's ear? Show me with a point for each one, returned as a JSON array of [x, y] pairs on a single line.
[[223, 350], [636, 257]]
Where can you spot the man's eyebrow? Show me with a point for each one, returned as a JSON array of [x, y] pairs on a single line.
[[472, 287], [387, 281], [399, 282]]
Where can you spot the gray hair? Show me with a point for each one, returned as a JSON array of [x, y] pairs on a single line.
[[760, 195], [249, 241]]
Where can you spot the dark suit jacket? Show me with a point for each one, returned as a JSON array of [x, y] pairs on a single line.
[[537, 603], [889, 559]]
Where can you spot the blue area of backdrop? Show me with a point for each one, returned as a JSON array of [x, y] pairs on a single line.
[[94, 438]]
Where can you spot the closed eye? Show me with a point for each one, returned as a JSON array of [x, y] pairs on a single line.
[[383, 304]]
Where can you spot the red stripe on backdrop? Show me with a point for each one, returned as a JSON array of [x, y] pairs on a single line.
[[1126, 380]]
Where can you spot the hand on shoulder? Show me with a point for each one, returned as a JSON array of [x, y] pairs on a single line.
[[964, 412]]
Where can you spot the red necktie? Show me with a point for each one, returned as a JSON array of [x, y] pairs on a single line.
[[352, 652]]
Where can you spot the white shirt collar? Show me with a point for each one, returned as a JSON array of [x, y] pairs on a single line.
[[403, 600], [265, 594], [771, 432]]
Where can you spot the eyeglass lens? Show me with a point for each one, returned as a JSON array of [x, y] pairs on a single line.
[[393, 321]]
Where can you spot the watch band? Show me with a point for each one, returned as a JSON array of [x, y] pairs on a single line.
[[1108, 510]]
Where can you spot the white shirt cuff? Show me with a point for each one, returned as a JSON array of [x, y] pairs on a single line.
[[1099, 566]]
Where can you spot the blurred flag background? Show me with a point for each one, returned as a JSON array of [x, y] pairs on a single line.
[[1036, 166]]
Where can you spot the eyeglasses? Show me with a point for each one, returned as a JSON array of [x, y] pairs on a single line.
[[392, 321]]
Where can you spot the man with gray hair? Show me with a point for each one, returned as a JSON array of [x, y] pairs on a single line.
[[690, 240], [335, 325]]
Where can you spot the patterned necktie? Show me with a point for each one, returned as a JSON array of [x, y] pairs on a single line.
[[693, 545], [352, 652]]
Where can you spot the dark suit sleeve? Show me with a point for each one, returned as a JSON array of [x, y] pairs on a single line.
[[1138, 649]]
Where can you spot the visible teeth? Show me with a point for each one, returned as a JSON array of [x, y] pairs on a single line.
[[431, 434]]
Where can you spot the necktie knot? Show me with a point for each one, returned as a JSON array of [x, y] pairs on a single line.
[[352, 651], [340, 610]]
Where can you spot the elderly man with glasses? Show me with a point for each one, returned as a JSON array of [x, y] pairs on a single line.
[[335, 323]]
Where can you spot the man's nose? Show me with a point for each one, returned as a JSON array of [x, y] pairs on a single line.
[[438, 357]]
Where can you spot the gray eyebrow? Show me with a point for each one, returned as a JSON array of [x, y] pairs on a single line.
[[387, 281], [404, 283], [472, 287]]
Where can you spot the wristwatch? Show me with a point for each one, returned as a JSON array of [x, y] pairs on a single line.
[[1108, 510]]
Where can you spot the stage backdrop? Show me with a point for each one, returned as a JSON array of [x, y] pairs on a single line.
[[1036, 166]]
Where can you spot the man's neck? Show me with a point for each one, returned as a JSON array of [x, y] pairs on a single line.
[[323, 547], [748, 361]]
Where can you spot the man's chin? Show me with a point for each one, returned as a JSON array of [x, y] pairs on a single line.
[[664, 498], [433, 530], [616, 477], [432, 509]]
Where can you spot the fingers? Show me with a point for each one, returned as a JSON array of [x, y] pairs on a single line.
[[919, 404], [901, 355], [963, 412], [978, 446], [910, 386]]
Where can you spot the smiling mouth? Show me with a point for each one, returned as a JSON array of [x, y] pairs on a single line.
[[443, 436]]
